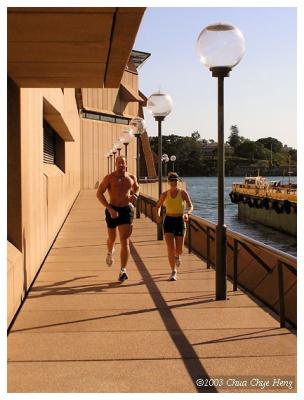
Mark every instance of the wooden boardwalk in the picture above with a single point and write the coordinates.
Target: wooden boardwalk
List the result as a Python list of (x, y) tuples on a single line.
[(80, 330)]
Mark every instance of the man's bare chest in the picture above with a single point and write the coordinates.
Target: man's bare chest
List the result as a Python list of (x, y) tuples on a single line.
[(120, 184)]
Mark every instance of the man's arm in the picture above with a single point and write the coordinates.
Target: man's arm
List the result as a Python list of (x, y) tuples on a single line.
[(135, 188), (101, 197)]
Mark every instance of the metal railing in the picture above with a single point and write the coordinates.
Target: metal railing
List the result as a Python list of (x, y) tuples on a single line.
[(241, 247)]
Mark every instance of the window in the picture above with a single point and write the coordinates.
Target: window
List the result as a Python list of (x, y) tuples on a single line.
[(92, 116), (122, 121), (105, 117), (53, 147)]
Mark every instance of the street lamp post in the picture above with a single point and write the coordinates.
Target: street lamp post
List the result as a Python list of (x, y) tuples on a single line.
[(173, 159), (108, 159), (220, 47), (138, 126), (159, 105), (111, 155), (118, 145), (126, 139), (114, 151), (165, 159)]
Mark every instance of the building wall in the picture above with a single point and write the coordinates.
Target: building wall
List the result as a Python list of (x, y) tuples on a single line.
[(108, 100), (97, 138), (40, 195), (47, 193)]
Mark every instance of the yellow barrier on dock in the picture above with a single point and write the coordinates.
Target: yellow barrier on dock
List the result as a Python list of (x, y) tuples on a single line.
[(271, 193)]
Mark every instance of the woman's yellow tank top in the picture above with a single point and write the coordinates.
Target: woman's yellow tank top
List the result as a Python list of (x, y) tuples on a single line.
[(174, 205)]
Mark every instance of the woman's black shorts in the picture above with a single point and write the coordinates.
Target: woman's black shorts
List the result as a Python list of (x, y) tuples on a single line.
[(125, 216), (175, 225)]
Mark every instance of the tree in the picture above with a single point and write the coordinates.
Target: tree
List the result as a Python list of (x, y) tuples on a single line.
[(195, 135), (246, 149), (191, 160), (271, 144), (293, 154), (234, 139)]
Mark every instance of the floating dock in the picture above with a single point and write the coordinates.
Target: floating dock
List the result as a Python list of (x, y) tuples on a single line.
[(268, 203)]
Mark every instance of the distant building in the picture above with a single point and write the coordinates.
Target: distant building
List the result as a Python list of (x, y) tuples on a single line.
[(209, 150)]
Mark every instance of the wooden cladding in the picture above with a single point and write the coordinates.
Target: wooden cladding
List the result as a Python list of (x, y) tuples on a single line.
[(14, 195), (96, 139), (70, 47), (108, 101)]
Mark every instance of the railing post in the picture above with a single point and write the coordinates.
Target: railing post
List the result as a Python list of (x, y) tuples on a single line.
[(235, 265), (281, 294), (189, 236), (208, 247), (138, 207)]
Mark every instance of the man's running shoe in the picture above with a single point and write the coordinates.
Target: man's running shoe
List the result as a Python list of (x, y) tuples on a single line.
[(173, 276), (109, 258), (123, 276), (178, 261)]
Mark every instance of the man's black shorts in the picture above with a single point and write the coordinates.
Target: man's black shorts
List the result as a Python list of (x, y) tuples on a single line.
[(125, 216), (174, 225)]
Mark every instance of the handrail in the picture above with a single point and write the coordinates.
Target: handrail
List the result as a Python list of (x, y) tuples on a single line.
[(153, 180), (248, 249), (244, 245), (283, 260), (287, 259)]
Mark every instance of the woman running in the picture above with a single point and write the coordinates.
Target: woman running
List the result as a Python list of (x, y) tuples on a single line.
[(174, 223)]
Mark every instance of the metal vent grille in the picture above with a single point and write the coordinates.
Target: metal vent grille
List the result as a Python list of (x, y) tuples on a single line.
[(48, 144)]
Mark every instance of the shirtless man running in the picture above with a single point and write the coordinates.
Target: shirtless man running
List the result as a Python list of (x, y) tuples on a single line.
[(119, 212)]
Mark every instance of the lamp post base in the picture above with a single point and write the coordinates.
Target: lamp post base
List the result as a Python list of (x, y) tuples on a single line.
[(220, 263), (138, 208), (160, 235)]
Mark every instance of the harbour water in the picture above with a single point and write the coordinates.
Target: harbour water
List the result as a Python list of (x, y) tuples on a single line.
[(203, 192)]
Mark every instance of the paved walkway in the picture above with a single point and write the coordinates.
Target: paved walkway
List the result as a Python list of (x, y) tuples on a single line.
[(81, 331)]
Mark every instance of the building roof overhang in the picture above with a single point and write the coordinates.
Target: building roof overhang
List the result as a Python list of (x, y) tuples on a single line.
[(70, 46), (56, 121), (128, 94)]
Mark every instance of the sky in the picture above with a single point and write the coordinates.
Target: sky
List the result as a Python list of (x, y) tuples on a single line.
[(261, 92)]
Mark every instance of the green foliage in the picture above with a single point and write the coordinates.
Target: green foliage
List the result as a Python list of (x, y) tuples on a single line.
[(192, 159), (235, 139), (293, 154), (272, 144), (195, 135)]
